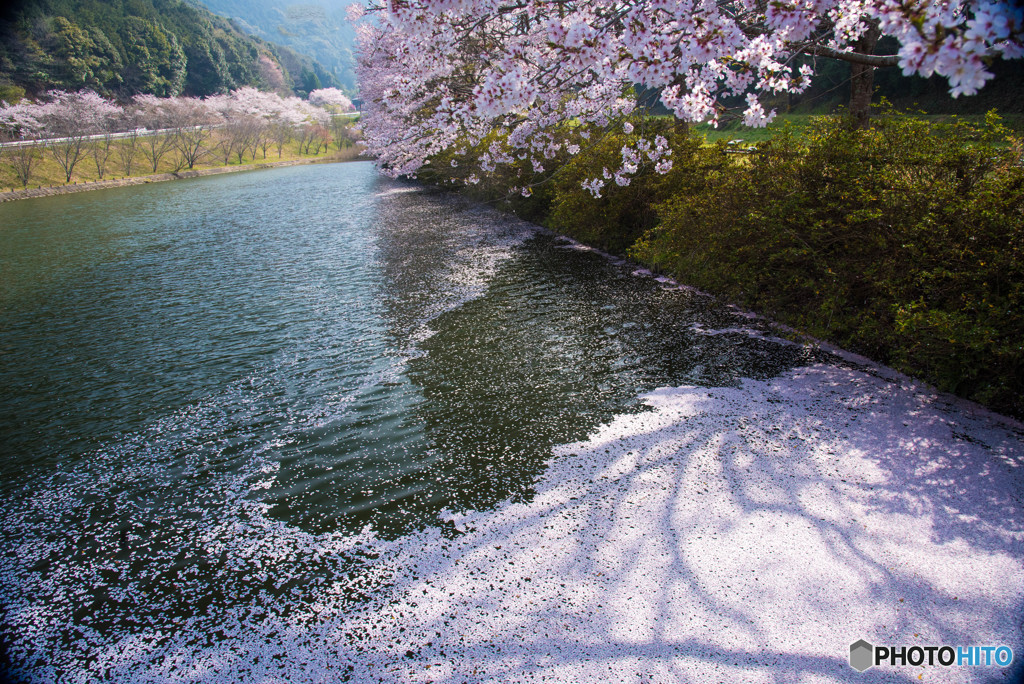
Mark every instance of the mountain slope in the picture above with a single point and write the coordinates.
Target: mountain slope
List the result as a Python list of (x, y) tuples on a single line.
[(122, 47), (317, 28)]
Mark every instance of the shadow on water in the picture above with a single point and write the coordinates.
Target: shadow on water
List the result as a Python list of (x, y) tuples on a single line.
[(561, 342), (552, 344)]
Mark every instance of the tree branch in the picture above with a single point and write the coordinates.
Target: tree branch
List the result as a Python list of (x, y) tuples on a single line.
[(853, 57)]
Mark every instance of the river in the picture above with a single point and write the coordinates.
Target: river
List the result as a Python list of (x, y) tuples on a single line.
[(310, 424)]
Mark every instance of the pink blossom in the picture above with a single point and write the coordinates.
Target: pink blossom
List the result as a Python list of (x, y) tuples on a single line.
[(594, 186), (545, 76)]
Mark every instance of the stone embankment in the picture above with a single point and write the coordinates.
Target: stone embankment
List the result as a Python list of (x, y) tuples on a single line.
[(49, 190)]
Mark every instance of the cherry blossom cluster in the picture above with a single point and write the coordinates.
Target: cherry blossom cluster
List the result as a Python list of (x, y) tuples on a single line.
[(332, 98), (545, 75), (60, 114), (640, 153)]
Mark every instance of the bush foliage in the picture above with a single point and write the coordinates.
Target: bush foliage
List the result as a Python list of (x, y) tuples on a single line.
[(902, 241), (617, 219)]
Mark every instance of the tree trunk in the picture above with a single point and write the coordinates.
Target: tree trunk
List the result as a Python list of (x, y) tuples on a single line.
[(862, 79)]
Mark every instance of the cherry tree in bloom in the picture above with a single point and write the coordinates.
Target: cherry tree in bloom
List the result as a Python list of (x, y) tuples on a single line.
[(179, 129), (331, 98), (19, 121), (436, 74), (339, 106), (61, 121), (255, 117), (239, 121), (68, 119), (190, 120)]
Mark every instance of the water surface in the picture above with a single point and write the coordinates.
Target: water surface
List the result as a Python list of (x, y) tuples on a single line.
[(204, 380)]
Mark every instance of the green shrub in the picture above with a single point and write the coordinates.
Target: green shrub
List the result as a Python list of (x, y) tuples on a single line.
[(621, 215), (11, 94), (902, 241)]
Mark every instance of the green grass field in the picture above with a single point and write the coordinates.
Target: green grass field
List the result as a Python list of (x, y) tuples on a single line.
[(735, 130)]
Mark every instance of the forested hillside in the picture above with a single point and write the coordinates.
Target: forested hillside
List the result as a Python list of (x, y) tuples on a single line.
[(122, 47), (317, 28)]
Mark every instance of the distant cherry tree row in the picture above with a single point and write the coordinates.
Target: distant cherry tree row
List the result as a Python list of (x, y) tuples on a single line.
[(149, 132)]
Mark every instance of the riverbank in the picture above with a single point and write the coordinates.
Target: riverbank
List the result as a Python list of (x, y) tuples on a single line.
[(900, 241), (51, 190)]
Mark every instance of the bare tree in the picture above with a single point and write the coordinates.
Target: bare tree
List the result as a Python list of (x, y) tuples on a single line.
[(101, 150), (321, 137), (191, 120), (245, 129), (303, 134), (225, 146), (266, 138), (154, 148), (153, 114), (281, 132), (259, 135), (342, 131), (127, 149), (24, 159)]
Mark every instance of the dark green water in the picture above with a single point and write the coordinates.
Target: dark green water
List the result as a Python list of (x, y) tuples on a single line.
[(303, 351)]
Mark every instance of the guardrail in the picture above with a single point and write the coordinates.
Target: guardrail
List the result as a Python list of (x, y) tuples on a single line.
[(139, 132)]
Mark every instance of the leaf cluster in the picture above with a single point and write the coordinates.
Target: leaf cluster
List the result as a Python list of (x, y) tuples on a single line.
[(618, 218)]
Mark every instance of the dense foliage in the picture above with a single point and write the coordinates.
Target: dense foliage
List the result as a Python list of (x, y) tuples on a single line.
[(125, 47), (904, 241)]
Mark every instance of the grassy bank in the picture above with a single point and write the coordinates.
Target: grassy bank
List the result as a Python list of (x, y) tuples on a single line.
[(47, 173), (904, 242), (800, 124)]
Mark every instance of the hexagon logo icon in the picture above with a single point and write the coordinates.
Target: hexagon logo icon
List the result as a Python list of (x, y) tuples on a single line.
[(862, 655)]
